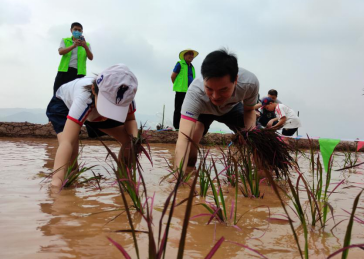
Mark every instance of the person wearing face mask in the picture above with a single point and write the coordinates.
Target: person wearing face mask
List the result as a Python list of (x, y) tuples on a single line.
[(74, 51), (225, 93), (182, 76)]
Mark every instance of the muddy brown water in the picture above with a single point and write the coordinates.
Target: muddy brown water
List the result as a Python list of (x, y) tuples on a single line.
[(36, 223)]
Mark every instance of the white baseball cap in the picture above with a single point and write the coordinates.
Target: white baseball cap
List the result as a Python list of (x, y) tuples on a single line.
[(117, 88)]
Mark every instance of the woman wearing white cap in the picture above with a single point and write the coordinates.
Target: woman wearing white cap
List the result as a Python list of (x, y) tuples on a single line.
[(104, 104)]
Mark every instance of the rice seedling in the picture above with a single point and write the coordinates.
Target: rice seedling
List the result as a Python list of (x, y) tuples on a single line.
[(248, 173), (157, 248), (276, 189), (160, 126), (347, 240), (74, 174), (218, 209), (204, 172), (351, 158), (227, 162), (268, 150), (128, 168)]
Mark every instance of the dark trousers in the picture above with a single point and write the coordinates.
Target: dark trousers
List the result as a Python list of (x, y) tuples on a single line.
[(234, 119), (178, 101), (65, 77), (265, 117)]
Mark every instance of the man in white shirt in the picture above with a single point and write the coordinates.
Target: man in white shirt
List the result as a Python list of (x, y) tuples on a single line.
[(286, 118)]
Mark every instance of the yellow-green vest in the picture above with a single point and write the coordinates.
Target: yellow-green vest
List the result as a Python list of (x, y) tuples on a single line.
[(81, 58), (181, 82)]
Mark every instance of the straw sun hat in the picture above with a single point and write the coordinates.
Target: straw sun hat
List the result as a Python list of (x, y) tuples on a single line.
[(183, 52)]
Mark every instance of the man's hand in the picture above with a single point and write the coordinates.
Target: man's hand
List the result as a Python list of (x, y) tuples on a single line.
[(280, 123), (83, 43)]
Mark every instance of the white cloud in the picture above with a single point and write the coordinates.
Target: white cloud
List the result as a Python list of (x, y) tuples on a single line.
[(310, 51)]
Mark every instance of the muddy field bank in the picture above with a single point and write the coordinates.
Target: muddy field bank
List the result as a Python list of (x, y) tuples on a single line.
[(26, 130)]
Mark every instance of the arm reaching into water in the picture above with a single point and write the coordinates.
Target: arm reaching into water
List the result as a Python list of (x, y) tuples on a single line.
[(183, 144), (67, 151), (249, 117)]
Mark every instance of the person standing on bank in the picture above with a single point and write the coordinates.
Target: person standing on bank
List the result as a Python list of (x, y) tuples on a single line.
[(182, 76), (74, 51)]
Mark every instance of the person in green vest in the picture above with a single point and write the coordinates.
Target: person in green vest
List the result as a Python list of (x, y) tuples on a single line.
[(74, 51), (182, 76)]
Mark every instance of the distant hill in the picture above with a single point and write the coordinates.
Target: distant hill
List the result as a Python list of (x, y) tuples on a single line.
[(39, 116), (22, 115)]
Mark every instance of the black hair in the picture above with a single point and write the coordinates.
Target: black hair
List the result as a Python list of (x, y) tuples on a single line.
[(273, 92), (76, 24), (88, 88), (220, 63)]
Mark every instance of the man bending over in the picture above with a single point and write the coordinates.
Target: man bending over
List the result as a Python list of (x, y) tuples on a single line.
[(225, 93)]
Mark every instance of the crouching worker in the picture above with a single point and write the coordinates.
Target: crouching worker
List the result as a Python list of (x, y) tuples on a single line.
[(286, 118), (225, 93), (105, 104)]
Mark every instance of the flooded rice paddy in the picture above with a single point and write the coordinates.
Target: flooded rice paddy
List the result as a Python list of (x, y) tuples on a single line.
[(36, 223)]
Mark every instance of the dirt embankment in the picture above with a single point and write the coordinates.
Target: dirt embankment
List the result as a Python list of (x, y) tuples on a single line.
[(26, 130)]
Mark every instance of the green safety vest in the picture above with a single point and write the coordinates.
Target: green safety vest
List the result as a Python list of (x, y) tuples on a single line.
[(81, 58), (181, 82)]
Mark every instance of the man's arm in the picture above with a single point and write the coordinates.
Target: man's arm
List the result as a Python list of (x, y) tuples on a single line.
[(249, 117), (257, 106), (63, 51), (270, 123), (280, 123), (173, 76), (183, 144), (89, 54)]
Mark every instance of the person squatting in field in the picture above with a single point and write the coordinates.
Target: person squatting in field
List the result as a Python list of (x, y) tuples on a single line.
[(286, 118), (105, 104)]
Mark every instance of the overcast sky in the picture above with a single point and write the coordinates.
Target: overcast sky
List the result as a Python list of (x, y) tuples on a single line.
[(310, 51)]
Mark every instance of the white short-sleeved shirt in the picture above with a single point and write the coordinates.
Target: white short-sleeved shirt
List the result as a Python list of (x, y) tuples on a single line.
[(292, 120), (197, 102), (79, 102), (73, 61)]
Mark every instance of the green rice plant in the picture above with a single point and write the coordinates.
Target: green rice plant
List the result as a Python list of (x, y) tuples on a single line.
[(319, 188), (326, 193), (218, 209), (161, 126), (351, 158), (248, 173), (204, 171), (312, 154), (157, 248), (276, 189), (347, 240), (295, 198), (227, 162), (128, 168), (75, 174)]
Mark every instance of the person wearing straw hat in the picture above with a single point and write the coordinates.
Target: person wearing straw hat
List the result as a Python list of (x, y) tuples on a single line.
[(105, 104), (182, 76)]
